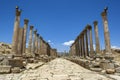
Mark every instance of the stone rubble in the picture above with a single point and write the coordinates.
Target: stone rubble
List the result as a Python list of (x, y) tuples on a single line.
[(57, 69)]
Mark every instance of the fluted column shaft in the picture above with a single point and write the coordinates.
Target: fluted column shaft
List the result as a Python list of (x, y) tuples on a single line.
[(34, 42), (106, 33), (41, 45), (83, 48), (91, 41), (16, 29), (37, 38), (80, 46), (20, 41), (86, 42), (96, 37), (30, 40), (25, 34)]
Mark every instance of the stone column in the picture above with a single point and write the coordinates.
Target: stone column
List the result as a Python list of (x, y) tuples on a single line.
[(34, 41), (48, 49), (106, 33), (37, 38), (73, 49), (25, 34), (96, 37), (83, 46), (80, 47), (20, 41), (91, 41), (86, 43), (16, 29), (76, 47), (30, 40), (41, 45)]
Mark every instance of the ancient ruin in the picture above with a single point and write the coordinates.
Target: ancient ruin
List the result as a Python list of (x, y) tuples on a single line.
[(20, 58)]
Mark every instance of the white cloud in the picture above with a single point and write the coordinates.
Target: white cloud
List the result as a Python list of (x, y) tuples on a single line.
[(68, 43), (115, 47), (49, 41)]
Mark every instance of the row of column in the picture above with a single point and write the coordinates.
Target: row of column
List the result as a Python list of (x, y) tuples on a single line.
[(36, 44), (83, 45)]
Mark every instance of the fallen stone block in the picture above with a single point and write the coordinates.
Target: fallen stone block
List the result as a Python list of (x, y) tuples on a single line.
[(5, 69), (118, 70), (34, 65), (16, 63), (96, 64), (110, 71), (96, 69), (15, 70), (107, 65)]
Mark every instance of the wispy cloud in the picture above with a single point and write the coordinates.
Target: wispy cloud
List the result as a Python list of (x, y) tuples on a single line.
[(50, 42), (68, 43), (115, 47)]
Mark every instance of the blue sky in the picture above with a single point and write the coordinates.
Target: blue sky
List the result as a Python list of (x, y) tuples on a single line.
[(60, 21)]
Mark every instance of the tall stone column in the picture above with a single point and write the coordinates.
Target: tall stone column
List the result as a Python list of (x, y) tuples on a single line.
[(106, 32), (37, 38), (48, 49), (34, 41), (20, 41), (16, 29), (80, 47), (30, 40), (76, 47), (25, 34), (83, 46), (86, 43), (41, 45), (96, 37), (91, 41)]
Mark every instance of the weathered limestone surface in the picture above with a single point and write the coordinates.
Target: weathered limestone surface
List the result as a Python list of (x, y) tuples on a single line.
[(16, 30), (106, 33), (20, 41), (96, 37), (25, 34), (30, 40), (58, 69)]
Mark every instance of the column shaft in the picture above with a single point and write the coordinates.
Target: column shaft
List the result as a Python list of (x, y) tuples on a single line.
[(25, 34), (34, 43), (96, 37), (106, 33), (91, 41), (20, 41), (86, 37), (30, 40), (16, 29)]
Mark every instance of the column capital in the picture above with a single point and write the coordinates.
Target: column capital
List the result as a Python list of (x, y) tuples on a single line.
[(18, 12), (37, 35), (104, 13), (95, 22), (84, 31), (89, 26), (41, 38), (26, 21), (35, 31), (31, 27)]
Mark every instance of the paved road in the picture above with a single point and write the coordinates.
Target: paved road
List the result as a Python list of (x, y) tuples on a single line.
[(58, 69)]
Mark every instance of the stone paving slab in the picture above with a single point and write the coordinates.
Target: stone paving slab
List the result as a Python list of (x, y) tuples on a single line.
[(57, 69)]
